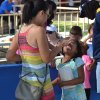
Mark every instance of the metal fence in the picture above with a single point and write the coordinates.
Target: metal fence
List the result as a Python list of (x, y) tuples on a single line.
[(63, 16), (70, 15), (6, 25)]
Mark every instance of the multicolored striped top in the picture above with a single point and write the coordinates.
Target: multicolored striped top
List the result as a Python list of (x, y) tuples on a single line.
[(34, 70)]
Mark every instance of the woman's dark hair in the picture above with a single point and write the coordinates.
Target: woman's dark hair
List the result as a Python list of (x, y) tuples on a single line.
[(52, 8), (31, 8), (76, 30), (91, 25)]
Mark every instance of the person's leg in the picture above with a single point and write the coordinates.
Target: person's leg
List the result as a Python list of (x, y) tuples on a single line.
[(12, 30), (5, 18), (98, 77), (87, 91), (5, 25), (71, 3), (93, 78)]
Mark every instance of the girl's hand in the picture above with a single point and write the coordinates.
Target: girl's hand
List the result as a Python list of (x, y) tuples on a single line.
[(60, 83)]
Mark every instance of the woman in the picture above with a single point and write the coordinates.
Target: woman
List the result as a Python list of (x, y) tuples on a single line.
[(35, 83), (52, 35)]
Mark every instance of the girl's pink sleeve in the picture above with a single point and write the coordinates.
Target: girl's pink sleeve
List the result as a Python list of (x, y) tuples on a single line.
[(87, 60)]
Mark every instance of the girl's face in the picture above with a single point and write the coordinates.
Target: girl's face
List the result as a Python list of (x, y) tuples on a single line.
[(70, 48)]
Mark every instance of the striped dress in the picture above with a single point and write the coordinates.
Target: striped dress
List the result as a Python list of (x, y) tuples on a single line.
[(34, 70)]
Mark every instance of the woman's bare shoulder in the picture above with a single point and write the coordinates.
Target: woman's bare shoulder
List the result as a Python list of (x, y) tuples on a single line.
[(38, 30)]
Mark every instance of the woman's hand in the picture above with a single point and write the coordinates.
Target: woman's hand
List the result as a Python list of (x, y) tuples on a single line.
[(55, 81)]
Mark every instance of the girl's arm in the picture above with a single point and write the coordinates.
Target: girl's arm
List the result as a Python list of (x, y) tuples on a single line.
[(89, 67), (11, 53), (75, 81), (89, 36), (51, 46)]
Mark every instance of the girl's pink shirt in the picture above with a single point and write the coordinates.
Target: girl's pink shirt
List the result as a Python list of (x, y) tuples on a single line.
[(87, 61)]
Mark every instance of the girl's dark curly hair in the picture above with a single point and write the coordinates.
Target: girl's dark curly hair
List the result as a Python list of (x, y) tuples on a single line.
[(79, 49)]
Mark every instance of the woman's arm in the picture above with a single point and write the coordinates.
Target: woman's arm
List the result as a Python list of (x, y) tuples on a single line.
[(55, 81), (51, 46), (42, 42), (11, 53), (75, 81)]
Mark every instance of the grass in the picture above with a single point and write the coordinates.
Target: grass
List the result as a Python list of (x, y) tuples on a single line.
[(69, 24)]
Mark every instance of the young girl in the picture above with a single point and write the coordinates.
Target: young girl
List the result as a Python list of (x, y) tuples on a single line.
[(71, 72), (88, 64)]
